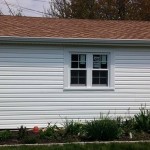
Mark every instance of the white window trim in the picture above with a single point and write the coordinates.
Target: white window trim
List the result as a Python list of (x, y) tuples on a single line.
[(89, 87)]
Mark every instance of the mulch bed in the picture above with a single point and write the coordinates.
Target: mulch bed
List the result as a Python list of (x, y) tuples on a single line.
[(35, 138)]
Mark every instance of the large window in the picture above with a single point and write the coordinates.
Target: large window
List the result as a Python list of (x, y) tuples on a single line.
[(89, 70)]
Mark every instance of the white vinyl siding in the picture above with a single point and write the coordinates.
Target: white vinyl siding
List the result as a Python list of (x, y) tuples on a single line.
[(32, 86), (133, 71), (23, 70)]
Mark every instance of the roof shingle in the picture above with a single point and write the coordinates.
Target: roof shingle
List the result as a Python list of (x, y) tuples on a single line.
[(73, 28)]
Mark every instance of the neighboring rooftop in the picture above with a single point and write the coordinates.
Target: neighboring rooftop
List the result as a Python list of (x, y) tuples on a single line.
[(73, 28)]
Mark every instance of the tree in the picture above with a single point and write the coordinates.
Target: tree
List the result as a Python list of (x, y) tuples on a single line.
[(18, 12), (58, 9), (144, 12), (121, 6), (1, 13), (100, 9)]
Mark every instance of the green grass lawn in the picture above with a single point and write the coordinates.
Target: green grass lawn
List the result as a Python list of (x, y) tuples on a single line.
[(113, 146)]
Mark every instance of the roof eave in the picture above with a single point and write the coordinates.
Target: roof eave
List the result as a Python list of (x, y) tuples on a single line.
[(75, 41)]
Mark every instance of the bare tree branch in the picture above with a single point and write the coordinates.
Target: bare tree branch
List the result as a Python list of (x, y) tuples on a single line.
[(100, 9)]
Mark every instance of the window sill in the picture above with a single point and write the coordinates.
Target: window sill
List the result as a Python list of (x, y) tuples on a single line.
[(89, 89)]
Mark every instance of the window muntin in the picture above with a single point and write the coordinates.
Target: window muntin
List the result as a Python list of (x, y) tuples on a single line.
[(89, 69), (78, 73)]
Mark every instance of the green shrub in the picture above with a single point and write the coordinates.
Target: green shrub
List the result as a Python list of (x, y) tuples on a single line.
[(22, 132), (52, 132), (72, 128), (103, 129), (142, 120), (126, 125), (5, 135), (30, 139)]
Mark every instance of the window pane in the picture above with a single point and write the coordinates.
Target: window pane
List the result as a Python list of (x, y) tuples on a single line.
[(82, 57), (82, 64), (78, 61), (74, 73), (99, 61), (96, 57), (74, 76), (104, 77), (82, 77), (100, 77), (103, 74), (78, 77), (96, 74), (95, 81), (74, 57), (82, 81), (96, 61), (104, 65), (74, 80), (103, 81), (82, 73), (104, 61), (74, 65), (104, 58)]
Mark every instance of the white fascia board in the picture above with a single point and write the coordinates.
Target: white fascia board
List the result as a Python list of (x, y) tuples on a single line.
[(75, 41)]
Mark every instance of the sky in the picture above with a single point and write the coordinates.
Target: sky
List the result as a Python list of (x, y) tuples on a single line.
[(28, 7)]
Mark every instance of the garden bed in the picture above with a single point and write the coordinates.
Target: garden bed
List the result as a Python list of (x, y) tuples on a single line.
[(102, 129), (33, 138)]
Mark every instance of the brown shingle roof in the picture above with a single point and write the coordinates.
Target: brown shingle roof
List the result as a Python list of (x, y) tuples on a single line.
[(73, 28)]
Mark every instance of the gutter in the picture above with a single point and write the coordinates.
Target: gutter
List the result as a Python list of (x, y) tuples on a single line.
[(73, 41)]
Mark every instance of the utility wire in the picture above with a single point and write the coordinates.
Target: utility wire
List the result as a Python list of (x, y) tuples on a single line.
[(8, 8), (18, 3), (25, 8)]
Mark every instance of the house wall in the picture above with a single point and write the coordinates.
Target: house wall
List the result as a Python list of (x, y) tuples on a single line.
[(32, 86)]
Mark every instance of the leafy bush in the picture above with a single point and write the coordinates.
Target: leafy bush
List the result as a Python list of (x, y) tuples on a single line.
[(22, 132), (105, 129), (126, 125), (72, 128), (5, 135), (142, 120), (51, 132), (30, 139)]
